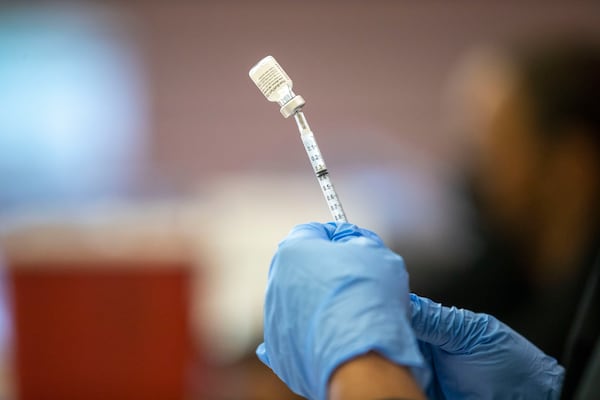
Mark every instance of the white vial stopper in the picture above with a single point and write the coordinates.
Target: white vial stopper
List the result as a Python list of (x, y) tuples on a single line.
[(276, 85)]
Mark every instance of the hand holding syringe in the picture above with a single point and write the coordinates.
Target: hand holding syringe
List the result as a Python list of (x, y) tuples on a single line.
[(276, 85)]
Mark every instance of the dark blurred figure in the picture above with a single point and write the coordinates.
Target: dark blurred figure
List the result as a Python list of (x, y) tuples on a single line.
[(535, 186)]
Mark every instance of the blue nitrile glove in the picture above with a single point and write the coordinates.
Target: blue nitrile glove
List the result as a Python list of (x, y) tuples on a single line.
[(335, 292), (475, 356)]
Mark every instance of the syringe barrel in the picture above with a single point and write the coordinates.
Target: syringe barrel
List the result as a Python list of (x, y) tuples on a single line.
[(320, 169)]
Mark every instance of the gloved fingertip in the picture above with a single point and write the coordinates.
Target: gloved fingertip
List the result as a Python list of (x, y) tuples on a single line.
[(421, 302), (330, 231), (331, 227), (311, 230), (338, 231), (261, 353), (346, 231), (424, 318), (372, 235), (415, 305)]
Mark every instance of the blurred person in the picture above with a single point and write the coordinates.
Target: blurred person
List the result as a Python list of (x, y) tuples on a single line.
[(340, 321), (535, 182)]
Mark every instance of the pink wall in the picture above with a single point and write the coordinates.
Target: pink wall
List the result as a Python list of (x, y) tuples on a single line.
[(372, 72)]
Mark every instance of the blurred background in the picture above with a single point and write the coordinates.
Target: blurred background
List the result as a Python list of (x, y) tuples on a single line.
[(145, 181)]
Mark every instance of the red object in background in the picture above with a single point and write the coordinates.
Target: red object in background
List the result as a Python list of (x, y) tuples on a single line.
[(102, 333)]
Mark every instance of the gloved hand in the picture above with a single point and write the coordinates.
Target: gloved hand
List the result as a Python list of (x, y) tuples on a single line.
[(475, 356), (335, 292)]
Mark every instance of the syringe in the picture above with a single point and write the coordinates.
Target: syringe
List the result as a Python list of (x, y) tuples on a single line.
[(276, 85)]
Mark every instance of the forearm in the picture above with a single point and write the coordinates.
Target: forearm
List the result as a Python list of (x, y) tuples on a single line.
[(372, 376)]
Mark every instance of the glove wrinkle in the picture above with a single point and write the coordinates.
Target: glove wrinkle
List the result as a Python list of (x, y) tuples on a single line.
[(475, 356)]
